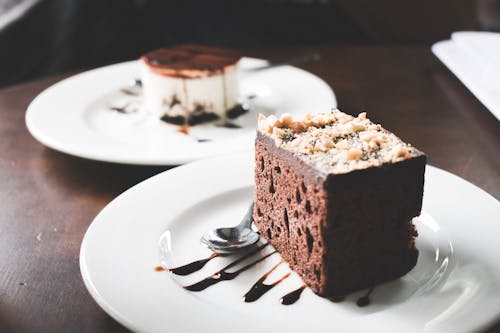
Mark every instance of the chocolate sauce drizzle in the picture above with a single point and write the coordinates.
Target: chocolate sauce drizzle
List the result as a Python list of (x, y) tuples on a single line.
[(126, 109), (237, 111), (198, 116), (260, 288), (224, 89), (186, 96), (228, 124), (257, 290), (365, 300), (193, 266), (293, 296), (129, 92), (224, 275)]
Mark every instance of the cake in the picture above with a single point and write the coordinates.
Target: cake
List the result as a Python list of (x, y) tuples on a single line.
[(190, 84), (336, 195)]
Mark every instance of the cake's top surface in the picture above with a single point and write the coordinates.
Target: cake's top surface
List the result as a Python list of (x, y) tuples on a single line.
[(191, 61), (336, 142)]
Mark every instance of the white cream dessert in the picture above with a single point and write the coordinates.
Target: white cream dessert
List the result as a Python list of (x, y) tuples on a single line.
[(191, 84)]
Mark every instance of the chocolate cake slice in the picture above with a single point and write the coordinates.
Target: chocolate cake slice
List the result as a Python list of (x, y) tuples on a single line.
[(335, 195)]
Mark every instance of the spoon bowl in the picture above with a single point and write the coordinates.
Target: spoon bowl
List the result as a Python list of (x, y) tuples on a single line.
[(232, 239)]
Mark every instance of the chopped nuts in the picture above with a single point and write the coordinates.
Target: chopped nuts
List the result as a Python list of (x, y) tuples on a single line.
[(336, 141), (373, 145), (400, 151), (278, 132), (356, 127), (367, 136), (343, 144), (327, 142), (354, 154), (286, 120)]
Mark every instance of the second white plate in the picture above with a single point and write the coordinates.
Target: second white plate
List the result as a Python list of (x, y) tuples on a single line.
[(75, 115)]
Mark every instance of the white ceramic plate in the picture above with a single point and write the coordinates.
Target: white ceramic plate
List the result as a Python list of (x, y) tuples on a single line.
[(75, 116), (455, 286)]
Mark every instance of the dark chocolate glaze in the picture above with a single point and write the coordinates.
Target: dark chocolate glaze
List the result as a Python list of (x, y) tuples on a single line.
[(192, 266), (193, 119), (293, 296), (186, 111), (260, 288), (256, 292), (236, 111), (224, 89), (174, 120), (127, 108), (129, 92), (365, 300), (200, 116), (223, 275), (202, 59), (228, 124), (211, 280), (174, 100), (119, 109)]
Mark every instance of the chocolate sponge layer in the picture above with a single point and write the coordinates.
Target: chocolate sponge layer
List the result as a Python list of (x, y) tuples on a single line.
[(339, 232)]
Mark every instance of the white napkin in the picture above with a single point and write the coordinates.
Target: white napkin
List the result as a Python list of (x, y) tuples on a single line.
[(474, 57)]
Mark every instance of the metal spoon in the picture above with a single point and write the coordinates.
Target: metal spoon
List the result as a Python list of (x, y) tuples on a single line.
[(232, 239)]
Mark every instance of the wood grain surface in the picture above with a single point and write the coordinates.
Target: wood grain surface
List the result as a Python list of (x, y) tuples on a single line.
[(48, 199)]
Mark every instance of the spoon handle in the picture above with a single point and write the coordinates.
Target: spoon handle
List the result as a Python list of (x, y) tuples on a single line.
[(247, 220), (289, 62)]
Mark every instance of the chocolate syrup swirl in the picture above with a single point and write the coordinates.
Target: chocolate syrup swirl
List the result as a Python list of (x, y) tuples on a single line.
[(237, 111), (293, 296), (129, 92), (224, 275), (260, 288), (365, 300), (203, 140), (193, 266), (185, 108), (127, 108), (228, 124)]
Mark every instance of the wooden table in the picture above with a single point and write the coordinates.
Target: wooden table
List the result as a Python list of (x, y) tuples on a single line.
[(48, 199)]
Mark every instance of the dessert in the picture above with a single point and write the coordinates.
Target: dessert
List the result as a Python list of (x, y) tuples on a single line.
[(190, 84), (335, 195)]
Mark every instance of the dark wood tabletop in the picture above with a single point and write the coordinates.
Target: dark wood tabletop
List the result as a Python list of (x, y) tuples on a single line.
[(48, 199)]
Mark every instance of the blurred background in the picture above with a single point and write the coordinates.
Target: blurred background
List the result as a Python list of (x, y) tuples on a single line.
[(43, 37)]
